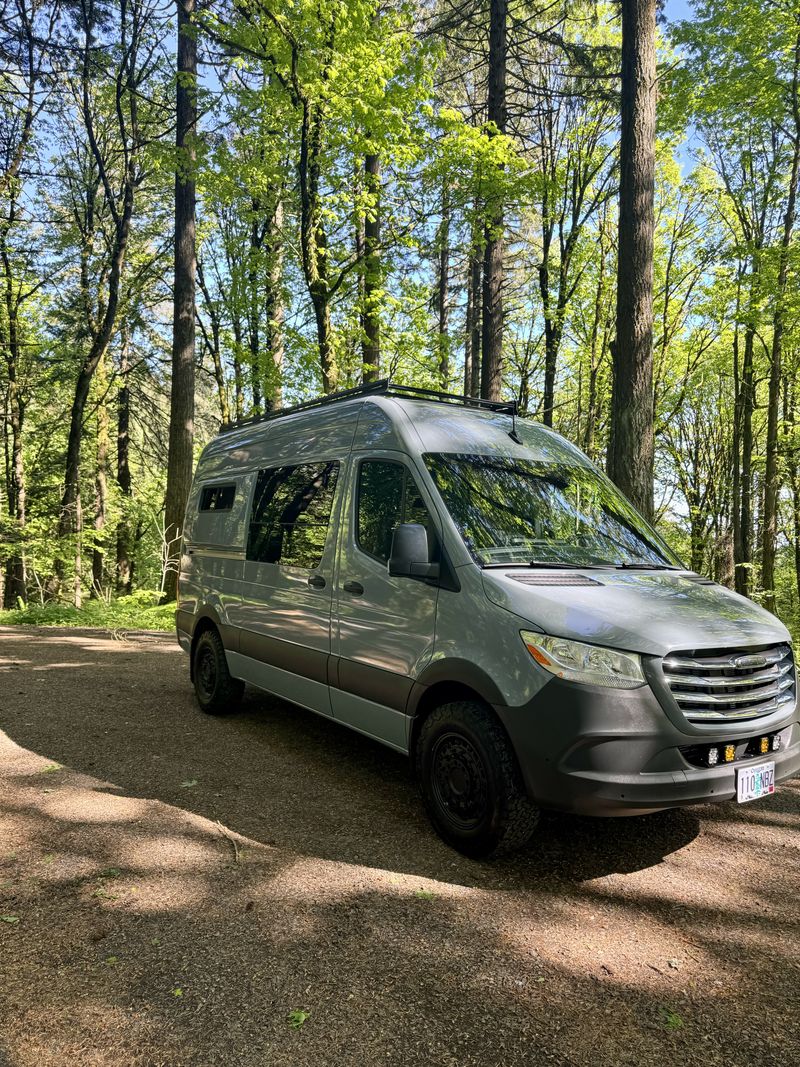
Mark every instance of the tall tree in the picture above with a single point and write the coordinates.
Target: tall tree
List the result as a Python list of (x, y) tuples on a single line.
[(631, 444), (771, 474), (371, 320), (492, 332), (181, 425), (116, 135)]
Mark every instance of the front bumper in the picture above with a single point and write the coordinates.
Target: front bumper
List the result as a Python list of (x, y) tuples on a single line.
[(597, 751)]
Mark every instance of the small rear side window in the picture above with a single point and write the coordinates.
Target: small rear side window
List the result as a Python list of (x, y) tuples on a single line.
[(217, 497)]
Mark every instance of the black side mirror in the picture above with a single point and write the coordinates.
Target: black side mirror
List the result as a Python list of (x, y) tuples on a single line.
[(409, 555)]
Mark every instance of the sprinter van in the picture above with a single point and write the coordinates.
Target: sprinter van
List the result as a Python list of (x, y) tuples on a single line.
[(466, 587)]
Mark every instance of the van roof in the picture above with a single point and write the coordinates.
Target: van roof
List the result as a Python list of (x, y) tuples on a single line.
[(384, 387), (380, 422)]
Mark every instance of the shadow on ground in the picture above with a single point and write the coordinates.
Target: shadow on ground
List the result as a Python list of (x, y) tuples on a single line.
[(182, 884), (276, 773)]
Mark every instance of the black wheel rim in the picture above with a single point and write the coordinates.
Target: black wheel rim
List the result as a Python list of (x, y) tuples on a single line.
[(460, 783), (206, 673)]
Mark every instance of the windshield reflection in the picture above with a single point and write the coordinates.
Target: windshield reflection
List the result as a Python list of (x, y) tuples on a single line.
[(511, 510)]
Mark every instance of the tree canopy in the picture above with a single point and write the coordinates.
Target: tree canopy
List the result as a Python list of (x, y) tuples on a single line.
[(423, 191)]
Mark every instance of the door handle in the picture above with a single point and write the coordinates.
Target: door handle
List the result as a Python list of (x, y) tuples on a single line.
[(316, 581), (356, 588)]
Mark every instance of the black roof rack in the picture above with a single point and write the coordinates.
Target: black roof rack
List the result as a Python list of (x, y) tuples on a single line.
[(383, 387)]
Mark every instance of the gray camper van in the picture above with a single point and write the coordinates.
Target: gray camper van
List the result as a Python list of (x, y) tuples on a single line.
[(466, 587)]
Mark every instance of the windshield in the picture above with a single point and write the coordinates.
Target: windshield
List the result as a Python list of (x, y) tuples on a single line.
[(511, 510)]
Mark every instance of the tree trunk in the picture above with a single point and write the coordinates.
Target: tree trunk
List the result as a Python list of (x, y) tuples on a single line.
[(476, 291), (736, 443), (100, 484), (238, 376), (70, 522), (595, 348), (254, 307), (181, 425), (314, 240), (771, 478), (371, 349), (124, 481), (442, 291), (492, 333), (630, 455), (794, 478), (747, 387), (548, 392), (16, 579), (274, 304), (468, 334)]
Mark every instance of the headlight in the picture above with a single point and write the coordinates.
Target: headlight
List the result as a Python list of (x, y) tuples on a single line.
[(591, 664)]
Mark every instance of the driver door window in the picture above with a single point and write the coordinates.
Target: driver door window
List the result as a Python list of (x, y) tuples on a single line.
[(387, 497)]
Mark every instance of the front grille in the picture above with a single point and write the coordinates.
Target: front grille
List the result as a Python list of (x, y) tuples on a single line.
[(730, 685)]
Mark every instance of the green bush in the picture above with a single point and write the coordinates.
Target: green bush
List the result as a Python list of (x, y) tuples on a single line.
[(139, 611)]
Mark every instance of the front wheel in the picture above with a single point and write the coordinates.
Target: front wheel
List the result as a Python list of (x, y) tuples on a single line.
[(470, 782), (217, 692)]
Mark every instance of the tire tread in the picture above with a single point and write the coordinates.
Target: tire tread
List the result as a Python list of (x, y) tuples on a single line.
[(520, 815), (229, 690)]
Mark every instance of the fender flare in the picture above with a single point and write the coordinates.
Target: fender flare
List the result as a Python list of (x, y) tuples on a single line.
[(456, 671)]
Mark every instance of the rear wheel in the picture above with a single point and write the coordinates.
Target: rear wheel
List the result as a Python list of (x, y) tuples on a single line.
[(470, 781), (217, 692)]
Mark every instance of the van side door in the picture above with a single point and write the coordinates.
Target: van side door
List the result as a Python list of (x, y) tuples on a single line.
[(383, 626), (285, 615)]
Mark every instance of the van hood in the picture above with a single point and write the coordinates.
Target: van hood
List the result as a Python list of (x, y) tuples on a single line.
[(650, 612)]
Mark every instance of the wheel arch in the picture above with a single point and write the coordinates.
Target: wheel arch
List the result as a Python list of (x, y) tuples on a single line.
[(445, 682)]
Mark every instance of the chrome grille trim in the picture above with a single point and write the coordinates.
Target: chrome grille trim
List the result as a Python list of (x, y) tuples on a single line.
[(724, 663), (771, 674), (737, 685)]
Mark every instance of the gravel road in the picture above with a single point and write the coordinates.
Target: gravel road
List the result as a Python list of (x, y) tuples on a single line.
[(266, 890)]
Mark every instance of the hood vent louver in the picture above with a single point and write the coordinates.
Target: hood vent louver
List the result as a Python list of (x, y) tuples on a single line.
[(554, 579), (698, 579)]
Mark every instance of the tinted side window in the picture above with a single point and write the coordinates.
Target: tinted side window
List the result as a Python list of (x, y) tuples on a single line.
[(291, 512), (387, 496), (217, 497)]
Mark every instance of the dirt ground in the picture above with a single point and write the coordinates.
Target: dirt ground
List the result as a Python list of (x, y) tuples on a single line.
[(266, 890)]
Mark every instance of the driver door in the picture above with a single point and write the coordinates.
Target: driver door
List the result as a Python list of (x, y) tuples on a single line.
[(384, 627)]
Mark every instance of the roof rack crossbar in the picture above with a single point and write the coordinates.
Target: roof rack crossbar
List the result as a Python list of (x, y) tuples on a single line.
[(507, 406), (383, 387)]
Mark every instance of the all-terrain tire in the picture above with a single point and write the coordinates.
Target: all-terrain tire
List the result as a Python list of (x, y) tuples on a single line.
[(471, 783), (217, 692)]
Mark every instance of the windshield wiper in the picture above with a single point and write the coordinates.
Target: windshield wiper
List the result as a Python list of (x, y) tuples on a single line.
[(543, 563), (644, 567)]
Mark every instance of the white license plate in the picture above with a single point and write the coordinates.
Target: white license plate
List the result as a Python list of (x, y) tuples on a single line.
[(752, 783)]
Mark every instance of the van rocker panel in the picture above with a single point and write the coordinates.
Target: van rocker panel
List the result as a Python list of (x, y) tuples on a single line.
[(307, 693)]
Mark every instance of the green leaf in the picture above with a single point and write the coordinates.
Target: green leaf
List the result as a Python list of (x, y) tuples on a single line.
[(296, 1018), (670, 1019), (9, 919)]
